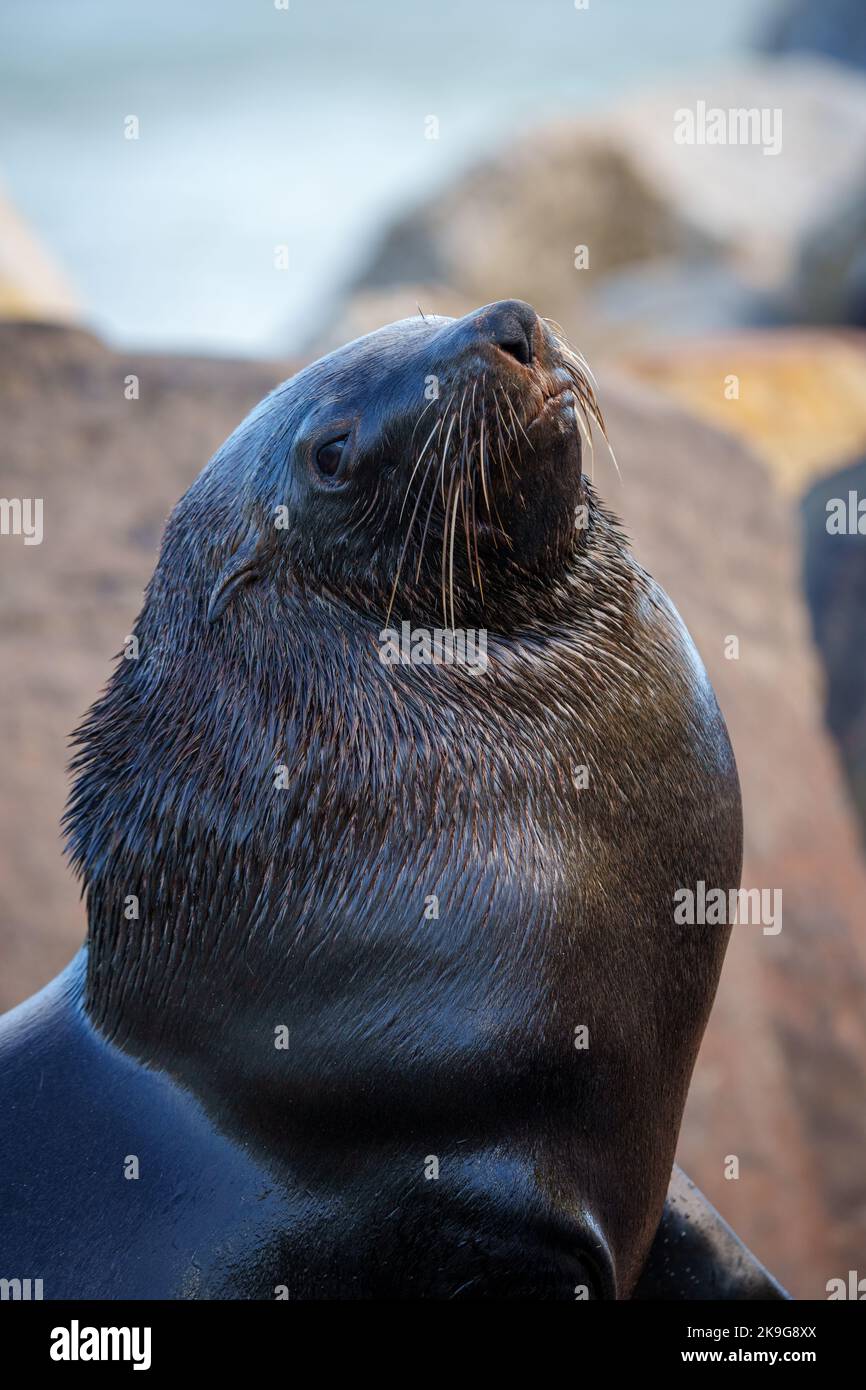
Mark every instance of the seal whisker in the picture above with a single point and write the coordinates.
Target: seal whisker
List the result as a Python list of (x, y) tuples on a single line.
[(585, 433), (493, 514), (444, 566), (465, 473), (519, 425), (482, 467), (445, 413), (505, 460), (445, 446), (580, 374), (474, 510), (467, 490), (506, 427), (585, 387), (414, 471), (408, 535), (451, 556), (463, 482), (427, 523), (420, 418), (467, 486)]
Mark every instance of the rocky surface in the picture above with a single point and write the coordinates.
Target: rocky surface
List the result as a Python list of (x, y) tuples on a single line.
[(512, 224), (795, 396), (759, 205), (513, 227), (800, 404), (828, 284), (834, 578), (781, 1078), (782, 1073), (108, 470)]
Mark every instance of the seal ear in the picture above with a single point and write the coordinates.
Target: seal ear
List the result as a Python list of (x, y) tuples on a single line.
[(241, 568)]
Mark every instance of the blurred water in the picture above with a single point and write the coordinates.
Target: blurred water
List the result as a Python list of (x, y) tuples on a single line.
[(305, 128)]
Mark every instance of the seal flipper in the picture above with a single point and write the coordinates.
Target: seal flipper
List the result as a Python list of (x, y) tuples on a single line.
[(696, 1255)]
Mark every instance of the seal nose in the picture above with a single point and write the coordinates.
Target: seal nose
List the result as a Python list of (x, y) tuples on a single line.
[(511, 326)]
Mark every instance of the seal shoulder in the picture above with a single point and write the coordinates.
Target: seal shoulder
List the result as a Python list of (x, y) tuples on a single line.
[(673, 669)]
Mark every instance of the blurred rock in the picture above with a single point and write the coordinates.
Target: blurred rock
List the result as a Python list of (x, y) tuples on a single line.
[(367, 310), (761, 206), (802, 406), (510, 228), (783, 1068), (679, 237), (511, 225), (834, 574), (624, 312), (108, 470), (834, 28), (32, 285), (829, 280), (801, 401), (682, 299), (782, 1073)]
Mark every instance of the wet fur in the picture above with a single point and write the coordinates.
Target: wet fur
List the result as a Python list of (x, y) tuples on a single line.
[(305, 906)]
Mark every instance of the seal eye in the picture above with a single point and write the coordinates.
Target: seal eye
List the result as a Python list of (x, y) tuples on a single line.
[(329, 456)]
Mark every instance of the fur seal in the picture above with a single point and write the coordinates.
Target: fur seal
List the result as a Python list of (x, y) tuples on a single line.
[(382, 994)]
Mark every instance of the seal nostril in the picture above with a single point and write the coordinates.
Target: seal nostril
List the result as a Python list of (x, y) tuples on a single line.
[(520, 348), (511, 326)]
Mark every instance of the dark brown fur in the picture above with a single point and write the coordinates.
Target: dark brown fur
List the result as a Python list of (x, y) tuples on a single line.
[(305, 905)]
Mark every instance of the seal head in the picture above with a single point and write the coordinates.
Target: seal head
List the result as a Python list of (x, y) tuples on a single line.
[(391, 468)]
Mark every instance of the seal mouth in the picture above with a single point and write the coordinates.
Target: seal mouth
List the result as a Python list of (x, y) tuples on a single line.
[(553, 404)]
